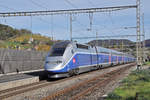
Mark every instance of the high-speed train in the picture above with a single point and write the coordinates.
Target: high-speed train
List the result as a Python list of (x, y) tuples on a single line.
[(70, 58)]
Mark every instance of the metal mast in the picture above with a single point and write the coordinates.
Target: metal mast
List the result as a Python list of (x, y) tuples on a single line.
[(138, 42), (70, 27), (96, 37), (144, 56), (52, 27)]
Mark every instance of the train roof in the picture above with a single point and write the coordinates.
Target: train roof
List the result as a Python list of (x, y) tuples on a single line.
[(106, 50), (62, 44), (102, 49)]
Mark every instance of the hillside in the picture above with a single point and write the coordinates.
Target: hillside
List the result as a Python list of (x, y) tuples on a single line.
[(23, 39), (7, 32), (147, 43), (122, 45), (117, 42), (26, 40), (112, 42)]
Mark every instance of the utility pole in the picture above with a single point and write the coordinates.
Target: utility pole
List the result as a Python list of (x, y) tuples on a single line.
[(97, 37), (91, 18), (31, 39), (109, 46), (138, 42), (70, 27), (144, 56), (52, 27), (122, 46)]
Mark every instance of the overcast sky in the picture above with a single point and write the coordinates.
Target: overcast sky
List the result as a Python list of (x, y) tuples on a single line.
[(107, 24)]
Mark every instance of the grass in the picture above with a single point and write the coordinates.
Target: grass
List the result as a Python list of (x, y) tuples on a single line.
[(138, 82), (28, 36), (147, 63)]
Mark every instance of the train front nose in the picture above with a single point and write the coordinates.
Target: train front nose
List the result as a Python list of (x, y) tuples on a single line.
[(53, 63)]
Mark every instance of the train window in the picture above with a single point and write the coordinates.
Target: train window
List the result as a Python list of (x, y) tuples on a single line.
[(59, 48), (104, 52), (82, 46), (57, 52)]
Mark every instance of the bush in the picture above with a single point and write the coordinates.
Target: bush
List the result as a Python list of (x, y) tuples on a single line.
[(113, 96), (136, 82)]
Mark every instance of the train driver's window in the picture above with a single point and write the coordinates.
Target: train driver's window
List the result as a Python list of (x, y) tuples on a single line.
[(72, 51)]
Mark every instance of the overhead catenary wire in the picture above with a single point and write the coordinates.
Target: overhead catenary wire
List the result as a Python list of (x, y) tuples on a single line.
[(105, 36), (45, 4), (111, 20), (73, 5), (6, 7), (75, 11), (70, 11), (51, 17), (41, 19), (51, 23), (91, 3), (68, 2), (37, 4), (90, 15), (9, 8), (48, 23)]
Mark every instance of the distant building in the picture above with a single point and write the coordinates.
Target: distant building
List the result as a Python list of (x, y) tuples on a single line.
[(30, 40)]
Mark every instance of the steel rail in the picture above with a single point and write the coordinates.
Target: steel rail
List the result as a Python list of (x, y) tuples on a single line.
[(99, 84), (25, 88), (30, 87), (67, 91)]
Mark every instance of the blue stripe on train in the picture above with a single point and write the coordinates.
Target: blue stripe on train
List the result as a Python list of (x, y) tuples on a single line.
[(89, 59)]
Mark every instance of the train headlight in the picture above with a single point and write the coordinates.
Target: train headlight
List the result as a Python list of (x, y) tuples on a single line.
[(47, 62), (58, 62)]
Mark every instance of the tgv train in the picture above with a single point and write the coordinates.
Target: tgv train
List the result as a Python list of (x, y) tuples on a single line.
[(70, 58)]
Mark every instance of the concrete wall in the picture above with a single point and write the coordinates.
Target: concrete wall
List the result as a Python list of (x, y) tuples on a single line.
[(16, 83), (20, 60)]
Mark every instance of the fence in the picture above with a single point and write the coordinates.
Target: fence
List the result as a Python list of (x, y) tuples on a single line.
[(20, 60)]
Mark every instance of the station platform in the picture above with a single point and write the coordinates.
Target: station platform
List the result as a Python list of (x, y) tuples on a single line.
[(15, 80)]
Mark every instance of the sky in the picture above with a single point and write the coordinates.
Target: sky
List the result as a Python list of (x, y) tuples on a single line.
[(104, 23)]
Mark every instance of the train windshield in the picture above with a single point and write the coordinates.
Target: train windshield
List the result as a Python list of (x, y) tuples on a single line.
[(57, 52), (59, 48)]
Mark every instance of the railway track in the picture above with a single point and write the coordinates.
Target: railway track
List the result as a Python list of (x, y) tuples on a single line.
[(26, 88), (77, 91)]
